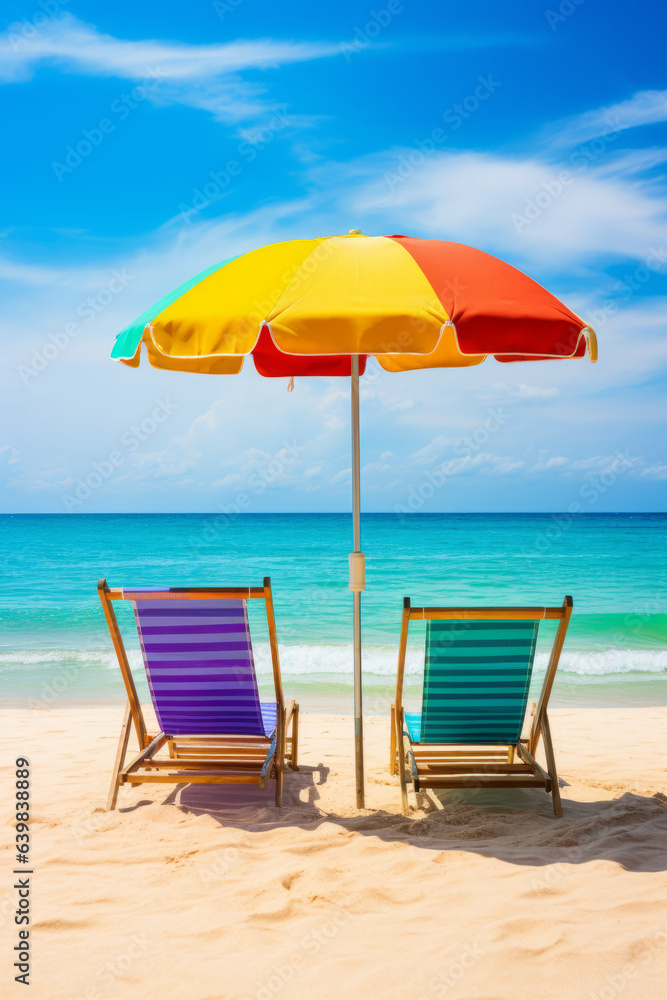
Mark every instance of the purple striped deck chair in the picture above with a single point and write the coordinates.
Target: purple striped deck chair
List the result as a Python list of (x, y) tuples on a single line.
[(198, 657)]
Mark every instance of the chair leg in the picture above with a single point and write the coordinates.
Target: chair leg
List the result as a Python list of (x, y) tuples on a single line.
[(401, 767), (551, 766), (294, 752), (120, 759), (279, 784), (279, 758), (392, 740)]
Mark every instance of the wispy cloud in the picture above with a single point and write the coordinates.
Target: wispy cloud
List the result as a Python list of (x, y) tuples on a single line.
[(13, 456), (69, 43), (646, 107), (501, 391), (29, 274), (202, 76), (516, 205), (657, 472)]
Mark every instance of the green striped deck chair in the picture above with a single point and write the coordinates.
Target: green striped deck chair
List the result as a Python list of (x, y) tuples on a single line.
[(477, 670)]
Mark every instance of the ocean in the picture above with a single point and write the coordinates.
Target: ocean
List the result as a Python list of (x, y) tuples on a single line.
[(55, 648)]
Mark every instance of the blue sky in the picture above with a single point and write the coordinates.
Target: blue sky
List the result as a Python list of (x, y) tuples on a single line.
[(146, 142)]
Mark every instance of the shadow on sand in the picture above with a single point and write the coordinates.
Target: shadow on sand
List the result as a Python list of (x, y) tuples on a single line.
[(512, 825)]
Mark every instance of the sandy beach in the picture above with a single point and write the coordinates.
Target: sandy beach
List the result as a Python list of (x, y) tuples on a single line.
[(488, 898), (334, 372)]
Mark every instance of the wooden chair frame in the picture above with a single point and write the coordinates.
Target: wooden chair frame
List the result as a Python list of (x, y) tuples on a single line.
[(480, 766), (223, 759)]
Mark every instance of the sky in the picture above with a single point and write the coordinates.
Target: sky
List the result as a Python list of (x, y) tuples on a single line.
[(146, 142)]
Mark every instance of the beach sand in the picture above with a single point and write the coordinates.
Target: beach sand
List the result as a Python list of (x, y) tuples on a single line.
[(211, 892)]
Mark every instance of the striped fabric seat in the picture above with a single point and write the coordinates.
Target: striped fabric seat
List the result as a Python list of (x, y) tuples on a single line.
[(476, 679), (200, 668)]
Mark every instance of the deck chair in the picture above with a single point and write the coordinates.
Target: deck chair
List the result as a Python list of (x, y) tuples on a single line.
[(198, 657), (477, 671)]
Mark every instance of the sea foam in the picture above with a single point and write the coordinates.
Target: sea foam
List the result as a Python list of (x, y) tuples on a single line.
[(305, 660)]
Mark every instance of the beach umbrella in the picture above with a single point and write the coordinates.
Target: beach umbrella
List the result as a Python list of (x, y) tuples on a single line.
[(322, 306)]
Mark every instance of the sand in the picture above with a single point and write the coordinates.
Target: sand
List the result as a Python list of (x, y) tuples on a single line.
[(210, 892)]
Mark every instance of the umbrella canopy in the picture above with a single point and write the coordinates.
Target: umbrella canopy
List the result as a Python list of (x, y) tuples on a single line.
[(305, 306), (323, 306)]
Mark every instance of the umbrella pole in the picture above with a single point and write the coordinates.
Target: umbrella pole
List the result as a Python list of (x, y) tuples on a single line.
[(357, 584)]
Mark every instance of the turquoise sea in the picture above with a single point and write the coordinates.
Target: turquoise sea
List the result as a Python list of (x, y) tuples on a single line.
[(55, 648)]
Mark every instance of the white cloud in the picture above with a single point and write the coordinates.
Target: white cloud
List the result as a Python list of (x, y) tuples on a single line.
[(555, 462), (29, 274), (13, 455), (513, 206), (202, 76), (655, 472), (535, 392), (608, 463), (627, 163), (69, 43), (484, 464), (594, 462), (646, 107), (501, 391)]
